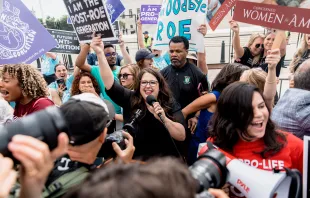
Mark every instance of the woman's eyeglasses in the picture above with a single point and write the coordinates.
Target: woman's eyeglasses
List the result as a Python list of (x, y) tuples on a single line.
[(124, 76), (259, 45), (152, 83)]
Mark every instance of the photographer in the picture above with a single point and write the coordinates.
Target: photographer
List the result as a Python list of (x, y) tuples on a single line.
[(36, 163), (159, 178), (154, 135), (86, 116)]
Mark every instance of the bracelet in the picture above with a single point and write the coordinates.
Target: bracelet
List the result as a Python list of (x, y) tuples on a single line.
[(271, 82)]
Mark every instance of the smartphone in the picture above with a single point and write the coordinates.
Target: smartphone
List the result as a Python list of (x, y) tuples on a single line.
[(200, 90), (61, 82)]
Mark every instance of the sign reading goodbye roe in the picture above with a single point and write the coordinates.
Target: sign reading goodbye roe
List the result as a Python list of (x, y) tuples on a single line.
[(88, 17)]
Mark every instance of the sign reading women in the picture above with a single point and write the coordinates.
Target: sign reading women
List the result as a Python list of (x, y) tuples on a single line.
[(180, 18), (292, 15)]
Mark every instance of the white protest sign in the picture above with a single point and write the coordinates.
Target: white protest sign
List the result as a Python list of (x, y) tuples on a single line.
[(180, 18), (306, 165)]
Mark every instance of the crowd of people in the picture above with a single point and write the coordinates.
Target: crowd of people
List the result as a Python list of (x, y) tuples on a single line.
[(238, 112)]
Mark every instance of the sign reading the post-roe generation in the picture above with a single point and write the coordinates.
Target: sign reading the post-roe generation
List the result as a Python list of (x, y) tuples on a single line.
[(88, 17), (180, 18), (294, 19)]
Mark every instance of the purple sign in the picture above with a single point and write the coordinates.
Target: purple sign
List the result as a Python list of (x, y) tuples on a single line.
[(22, 38), (115, 9), (149, 14)]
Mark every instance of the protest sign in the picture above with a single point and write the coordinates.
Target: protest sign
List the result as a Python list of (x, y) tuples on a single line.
[(22, 37), (68, 42), (115, 9), (116, 30), (180, 18), (69, 20), (88, 17), (149, 14), (306, 166), (217, 10), (1, 5), (274, 16)]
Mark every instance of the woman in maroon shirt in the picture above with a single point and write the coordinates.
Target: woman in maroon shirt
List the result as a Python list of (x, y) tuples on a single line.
[(25, 86)]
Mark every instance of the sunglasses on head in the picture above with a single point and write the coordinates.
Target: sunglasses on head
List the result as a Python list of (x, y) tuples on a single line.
[(259, 45), (124, 76), (110, 54)]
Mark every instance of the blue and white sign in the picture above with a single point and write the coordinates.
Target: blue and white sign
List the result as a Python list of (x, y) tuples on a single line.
[(22, 37), (180, 18), (115, 9), (69, 20)]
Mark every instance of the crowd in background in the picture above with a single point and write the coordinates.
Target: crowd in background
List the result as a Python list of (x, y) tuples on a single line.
[(239, 112)]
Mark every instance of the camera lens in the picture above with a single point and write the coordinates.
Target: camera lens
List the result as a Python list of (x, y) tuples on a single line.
[(210, 170)]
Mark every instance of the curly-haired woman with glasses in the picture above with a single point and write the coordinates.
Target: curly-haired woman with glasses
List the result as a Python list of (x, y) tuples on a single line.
[(154, 135)]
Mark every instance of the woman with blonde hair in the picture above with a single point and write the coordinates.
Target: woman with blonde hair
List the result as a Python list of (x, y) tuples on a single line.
[(128, 76), (302, 54), (249, 55)]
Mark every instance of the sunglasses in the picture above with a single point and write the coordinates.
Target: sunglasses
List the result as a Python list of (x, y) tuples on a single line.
[(110, 54), (259, 45), (125, 76), (156, 55)]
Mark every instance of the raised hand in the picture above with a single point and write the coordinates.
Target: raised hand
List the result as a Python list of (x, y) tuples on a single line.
[(234, 26)]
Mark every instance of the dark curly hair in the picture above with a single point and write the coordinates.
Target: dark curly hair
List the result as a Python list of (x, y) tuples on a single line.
[(234, 114), (30, 79), (76, 82), (164, 98)]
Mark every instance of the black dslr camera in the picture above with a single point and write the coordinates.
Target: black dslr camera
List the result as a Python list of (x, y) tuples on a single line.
[(210, 172), (106, 150)]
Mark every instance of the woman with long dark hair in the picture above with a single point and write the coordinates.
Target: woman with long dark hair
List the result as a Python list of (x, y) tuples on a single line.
[(154, 135), (207, 104), (241, 126)]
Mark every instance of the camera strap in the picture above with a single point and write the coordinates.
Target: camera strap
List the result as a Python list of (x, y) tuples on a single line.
[(62, 184)]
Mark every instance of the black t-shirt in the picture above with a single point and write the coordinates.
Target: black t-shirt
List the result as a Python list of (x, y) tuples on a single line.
[(264, 65), (151, 138), (247, 58), (184, 82)]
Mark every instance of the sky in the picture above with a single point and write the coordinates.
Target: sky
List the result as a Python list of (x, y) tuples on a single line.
[(53, 8)]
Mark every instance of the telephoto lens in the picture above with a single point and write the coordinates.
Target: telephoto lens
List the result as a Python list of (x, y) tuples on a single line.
[(44, 125), (210, 170)]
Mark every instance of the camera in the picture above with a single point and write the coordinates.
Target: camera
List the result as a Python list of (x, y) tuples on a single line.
[(107, 151), (46, 124), (210, 172)]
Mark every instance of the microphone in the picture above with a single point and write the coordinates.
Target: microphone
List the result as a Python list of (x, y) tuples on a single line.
[(150, 99)]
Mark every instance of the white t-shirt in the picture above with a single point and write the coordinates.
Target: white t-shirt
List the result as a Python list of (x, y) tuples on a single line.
[(6, 112)]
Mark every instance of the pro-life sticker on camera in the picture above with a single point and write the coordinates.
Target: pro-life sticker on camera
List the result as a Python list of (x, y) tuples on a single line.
[(88, 17)]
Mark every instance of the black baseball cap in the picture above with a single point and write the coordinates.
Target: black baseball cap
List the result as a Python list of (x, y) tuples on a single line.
[(87, 116), (143, 54)]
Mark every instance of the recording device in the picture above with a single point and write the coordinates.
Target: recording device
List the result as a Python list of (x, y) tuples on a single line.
[(150, 99), (61, 83), (107, 150), (256, 183), (210, 172), (46, 124)]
